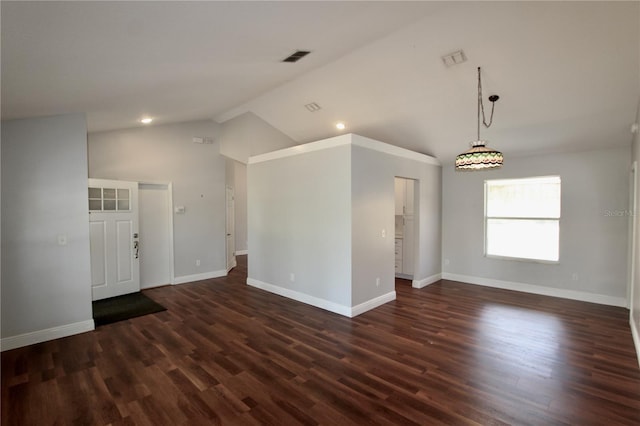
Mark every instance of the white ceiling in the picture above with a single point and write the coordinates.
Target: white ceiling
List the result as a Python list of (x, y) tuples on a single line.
[(567, 72)]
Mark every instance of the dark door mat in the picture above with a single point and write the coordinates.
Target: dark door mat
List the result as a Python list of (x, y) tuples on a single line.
[(120, 308)]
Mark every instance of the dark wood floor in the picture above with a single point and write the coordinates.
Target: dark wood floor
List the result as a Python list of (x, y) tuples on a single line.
[(227, 353)]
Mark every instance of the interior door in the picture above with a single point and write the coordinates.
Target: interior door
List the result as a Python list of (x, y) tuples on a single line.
[(230, 230), (113, 237), (154, 211)]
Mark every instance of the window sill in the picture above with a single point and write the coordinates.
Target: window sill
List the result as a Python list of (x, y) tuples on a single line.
[(522, 259)]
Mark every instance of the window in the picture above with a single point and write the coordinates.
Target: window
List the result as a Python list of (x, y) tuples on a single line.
[(109, 199), (522, 218)]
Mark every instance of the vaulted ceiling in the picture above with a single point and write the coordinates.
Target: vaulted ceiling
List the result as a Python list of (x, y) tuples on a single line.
[(567, 72)]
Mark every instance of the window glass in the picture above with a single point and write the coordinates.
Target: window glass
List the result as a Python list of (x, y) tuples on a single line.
[(522, 218)]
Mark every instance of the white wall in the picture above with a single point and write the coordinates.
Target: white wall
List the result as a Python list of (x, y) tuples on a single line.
[(299, 221), (635, 291), (154, 202), (240, 138), (236, 178), (46, 286), (247, 135), (240, 191), (318, 211), (373, 196), (166, 153), (593, 227)]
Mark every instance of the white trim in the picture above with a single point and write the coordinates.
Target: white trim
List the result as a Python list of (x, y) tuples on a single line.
[(536, 289), (229, 222), (633, 205), (386, 148), (241, 252), (636, 338), (342, 140), (373, 303), (323, 303), (426, 281), (26, 339), (233, 264), (199, 277), (301, 297), (172, 271), (302, 149)]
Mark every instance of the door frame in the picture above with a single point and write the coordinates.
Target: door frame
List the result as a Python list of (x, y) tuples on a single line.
[(633, 204), (415, 235), (229, 219)]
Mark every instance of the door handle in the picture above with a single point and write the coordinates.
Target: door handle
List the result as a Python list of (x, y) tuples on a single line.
[(136, 247)]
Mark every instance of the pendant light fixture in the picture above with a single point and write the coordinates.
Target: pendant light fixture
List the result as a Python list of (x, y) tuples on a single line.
[(481, 157)]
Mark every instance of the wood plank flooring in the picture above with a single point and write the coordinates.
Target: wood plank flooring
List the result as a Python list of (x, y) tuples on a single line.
[(227, 353)]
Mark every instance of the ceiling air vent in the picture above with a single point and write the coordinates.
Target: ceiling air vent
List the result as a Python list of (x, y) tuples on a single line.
[(454, 58), (296, 56), (313, 107)]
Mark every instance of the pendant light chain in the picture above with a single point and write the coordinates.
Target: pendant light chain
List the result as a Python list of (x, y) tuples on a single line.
[(481, 107)]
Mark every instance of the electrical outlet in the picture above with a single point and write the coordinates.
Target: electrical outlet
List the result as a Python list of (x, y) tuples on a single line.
[(378, 282), (292, 277), (574, 276), (384, 233), (197, 262), (446, 262)]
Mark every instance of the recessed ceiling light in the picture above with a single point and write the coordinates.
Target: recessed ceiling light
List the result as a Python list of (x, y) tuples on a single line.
[(340, 126), (146, 120)]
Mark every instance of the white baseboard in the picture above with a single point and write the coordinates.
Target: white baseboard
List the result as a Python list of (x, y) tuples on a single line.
[(198, 277), (636, 337), (426, 281), (323, 303), (537, 289), (241, 252), (373, 303), (26, 339), (301, 297)]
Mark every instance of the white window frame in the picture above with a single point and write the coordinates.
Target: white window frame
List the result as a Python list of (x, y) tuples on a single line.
[(486, 219), (116, 200)]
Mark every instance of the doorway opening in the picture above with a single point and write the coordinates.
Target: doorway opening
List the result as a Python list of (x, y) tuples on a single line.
[(406, 191)]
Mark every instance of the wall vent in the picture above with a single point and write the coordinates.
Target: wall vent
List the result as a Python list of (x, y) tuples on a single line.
[(296, 56), (454, 58), (202, 140)]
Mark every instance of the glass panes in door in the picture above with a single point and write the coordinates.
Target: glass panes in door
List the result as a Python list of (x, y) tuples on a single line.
[(109, 199)]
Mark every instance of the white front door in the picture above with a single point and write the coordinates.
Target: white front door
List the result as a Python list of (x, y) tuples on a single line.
[(113, 236), (230, 228)]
